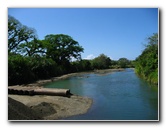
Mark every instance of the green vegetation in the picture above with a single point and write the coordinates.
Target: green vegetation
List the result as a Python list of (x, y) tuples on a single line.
[(146, 65), (31, 59), (101, 62), (18, 34)]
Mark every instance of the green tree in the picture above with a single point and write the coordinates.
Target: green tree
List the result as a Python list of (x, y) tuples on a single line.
[(101, 62), (146, 64), (114, 64), (43, 67), (123, 62), (81, 65), (17, 34), (19, 70), (34, 48), (153, 40), (61, 48)]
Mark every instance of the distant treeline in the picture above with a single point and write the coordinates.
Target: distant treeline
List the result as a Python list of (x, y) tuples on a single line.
[(146, 65), (31, 59)]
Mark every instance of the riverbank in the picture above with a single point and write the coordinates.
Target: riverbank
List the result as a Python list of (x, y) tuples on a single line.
[(43, 107), (40, 83)]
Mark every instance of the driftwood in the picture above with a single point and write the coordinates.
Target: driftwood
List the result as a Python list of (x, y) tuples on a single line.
[(39, 91)]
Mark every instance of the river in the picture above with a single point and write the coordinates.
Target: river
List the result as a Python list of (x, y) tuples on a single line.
[(116, 96)]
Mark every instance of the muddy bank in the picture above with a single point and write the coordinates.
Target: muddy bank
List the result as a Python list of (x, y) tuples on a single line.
[(42, 107)]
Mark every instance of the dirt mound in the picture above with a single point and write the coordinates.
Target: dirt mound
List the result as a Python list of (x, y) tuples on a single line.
[(18, 111), (44, 109)]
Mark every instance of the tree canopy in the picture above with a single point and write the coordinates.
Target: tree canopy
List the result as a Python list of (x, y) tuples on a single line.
[(61, 48), (17, 34), (123, 62), (101, 62)]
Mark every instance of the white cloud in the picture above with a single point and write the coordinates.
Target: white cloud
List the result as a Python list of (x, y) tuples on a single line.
[(110, 57), (89, 57)]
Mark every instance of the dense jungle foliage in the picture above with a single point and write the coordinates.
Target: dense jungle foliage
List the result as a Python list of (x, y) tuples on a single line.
[(146, 65)]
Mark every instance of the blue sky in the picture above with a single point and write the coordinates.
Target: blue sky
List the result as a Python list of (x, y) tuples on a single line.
[(116, 32)]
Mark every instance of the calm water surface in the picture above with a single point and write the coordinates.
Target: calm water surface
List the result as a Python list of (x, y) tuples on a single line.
[(116, 96)]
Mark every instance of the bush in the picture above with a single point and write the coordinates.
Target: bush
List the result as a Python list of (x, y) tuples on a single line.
[(43, 68), (146, 65), (19, 71), (24, 70)]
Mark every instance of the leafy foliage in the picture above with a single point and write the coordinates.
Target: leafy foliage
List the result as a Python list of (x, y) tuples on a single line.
[(123, 62), (17, 34), (147, 63), (30, 59), (101, 62), (33, 48), (43, 67), (19, 70), (82, 65), (62, 47)]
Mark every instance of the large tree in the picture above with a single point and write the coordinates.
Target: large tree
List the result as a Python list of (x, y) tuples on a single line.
[(17, 34), (61, 48)]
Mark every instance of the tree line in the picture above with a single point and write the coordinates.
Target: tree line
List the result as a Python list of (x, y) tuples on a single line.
[(31, 59)]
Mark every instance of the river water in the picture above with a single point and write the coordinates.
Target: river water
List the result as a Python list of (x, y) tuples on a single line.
[(116, 96)]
